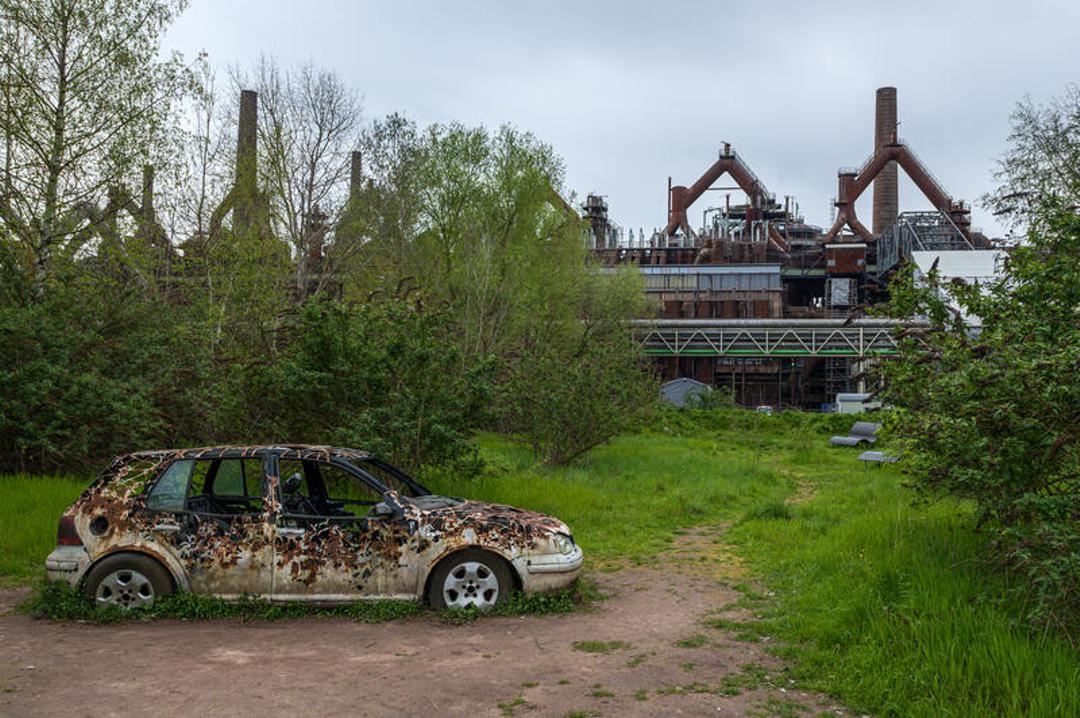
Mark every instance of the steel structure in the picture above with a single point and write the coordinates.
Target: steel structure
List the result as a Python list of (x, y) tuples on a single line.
[(762, 201), (851, 183), (789, 343), (918, 231), (769, 337)]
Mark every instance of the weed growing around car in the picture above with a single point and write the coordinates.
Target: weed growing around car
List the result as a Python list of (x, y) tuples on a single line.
[(60, 602)]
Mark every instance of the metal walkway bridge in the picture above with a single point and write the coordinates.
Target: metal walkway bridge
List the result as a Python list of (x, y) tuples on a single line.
[(768, 337)]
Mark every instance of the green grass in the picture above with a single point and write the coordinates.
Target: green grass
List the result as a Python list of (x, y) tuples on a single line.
[(626, 499), (30, 508), (600, 646), (893, 608), (60, 602), (693, 642)]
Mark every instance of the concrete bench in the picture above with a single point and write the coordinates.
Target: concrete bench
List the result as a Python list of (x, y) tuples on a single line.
[(863, 432), (877, 457)]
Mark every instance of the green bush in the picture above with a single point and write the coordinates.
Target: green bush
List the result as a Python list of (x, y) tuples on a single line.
[(385, 377), (993, 414)]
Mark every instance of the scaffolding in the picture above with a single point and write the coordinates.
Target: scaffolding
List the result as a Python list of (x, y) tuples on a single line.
[(837, 376), (916, 231)]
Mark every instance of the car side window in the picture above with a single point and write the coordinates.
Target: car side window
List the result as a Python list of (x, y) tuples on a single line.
[(290, 467), (170, 491), (325, 491), (346, 493), (229, 480), (225, 487)]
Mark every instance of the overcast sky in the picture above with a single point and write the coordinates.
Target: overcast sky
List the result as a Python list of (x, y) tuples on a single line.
[(631, 92)]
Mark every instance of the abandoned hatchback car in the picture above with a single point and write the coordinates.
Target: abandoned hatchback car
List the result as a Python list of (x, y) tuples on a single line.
[(310, 523)]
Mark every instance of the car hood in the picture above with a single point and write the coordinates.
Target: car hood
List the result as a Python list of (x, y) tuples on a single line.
[(447, 517)]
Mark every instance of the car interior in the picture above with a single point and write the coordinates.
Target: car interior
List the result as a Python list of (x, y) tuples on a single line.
[(226, 486), (316, 488)]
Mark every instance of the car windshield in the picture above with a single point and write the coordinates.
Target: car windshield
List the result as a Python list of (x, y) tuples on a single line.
[(390, 477)]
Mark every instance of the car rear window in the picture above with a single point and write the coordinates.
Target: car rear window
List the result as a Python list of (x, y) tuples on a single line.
[(170, 491)]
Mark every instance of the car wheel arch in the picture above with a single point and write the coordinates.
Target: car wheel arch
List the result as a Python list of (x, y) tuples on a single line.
[(514, 575), (179, 579)]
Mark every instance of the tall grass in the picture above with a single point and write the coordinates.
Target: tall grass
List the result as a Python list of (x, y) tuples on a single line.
[(893, 608), (30, 507)]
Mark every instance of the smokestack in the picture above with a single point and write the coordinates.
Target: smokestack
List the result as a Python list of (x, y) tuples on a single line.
[(356, 175), (246, 162), (245, 139), (886, 196)]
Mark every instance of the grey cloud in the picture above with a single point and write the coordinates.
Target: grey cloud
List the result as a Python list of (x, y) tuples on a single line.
[(631, 92)]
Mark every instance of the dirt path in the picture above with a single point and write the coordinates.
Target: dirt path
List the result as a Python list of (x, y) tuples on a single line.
[(656, 657)]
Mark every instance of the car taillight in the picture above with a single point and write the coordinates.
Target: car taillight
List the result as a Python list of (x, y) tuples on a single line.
[(66, 534)]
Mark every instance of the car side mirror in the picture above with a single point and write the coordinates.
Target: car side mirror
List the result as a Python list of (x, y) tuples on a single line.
[(384, 509)]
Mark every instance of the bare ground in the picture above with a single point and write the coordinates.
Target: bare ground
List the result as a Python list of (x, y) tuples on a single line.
[(500, 666)]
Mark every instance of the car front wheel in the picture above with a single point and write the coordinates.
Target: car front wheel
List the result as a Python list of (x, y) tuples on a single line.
[(470, 579)]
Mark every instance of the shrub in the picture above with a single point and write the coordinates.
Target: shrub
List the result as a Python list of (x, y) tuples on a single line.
[(992, 414)]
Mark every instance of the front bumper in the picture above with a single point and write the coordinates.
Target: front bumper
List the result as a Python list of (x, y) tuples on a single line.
[(66, 564), (549, 571)]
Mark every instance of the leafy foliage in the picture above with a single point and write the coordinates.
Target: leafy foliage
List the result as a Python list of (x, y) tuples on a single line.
[(385, 377), (86, 97), (993, 414), (281, 302), (1042, 161)]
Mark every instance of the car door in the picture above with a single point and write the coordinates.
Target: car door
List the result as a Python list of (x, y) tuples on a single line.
[(336, 538), (210, 514)]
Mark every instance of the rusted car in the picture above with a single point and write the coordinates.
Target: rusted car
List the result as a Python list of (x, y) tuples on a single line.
[(305, 523)]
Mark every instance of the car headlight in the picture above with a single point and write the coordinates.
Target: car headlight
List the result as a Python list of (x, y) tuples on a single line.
[(563, 543)]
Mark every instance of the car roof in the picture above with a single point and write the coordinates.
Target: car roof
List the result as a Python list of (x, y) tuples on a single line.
[(232, 451)]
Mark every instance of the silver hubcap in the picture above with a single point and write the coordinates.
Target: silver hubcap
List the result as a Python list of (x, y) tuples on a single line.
[(471, 584), (125, 588)]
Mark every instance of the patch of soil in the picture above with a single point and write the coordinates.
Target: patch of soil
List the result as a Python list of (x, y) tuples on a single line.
[(10, 598), (655, 656)]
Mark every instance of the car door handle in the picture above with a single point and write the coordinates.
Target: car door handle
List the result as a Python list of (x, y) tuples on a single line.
[(167, 528), (289, 531)]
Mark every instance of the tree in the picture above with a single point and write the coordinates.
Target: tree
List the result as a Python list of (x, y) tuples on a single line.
[(84, 97), (988, 409), (573, 385), (472, 219), (1042, 162), (196, 161), (384, 377)]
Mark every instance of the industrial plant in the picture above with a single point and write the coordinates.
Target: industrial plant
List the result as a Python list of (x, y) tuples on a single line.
[(770, 307)]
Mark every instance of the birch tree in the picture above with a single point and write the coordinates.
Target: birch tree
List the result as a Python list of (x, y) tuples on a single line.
[(85, 93)]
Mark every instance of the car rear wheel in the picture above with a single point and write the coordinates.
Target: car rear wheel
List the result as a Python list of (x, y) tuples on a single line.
[(470, 579), (128, 581)]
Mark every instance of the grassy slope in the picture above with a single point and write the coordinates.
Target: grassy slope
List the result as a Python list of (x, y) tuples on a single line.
[(884, 605)]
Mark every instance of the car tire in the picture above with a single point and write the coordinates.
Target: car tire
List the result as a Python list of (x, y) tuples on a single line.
[(127, 580), (472, 578)]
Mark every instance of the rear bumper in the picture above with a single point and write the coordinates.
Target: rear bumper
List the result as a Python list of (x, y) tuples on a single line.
[(66, 564)]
